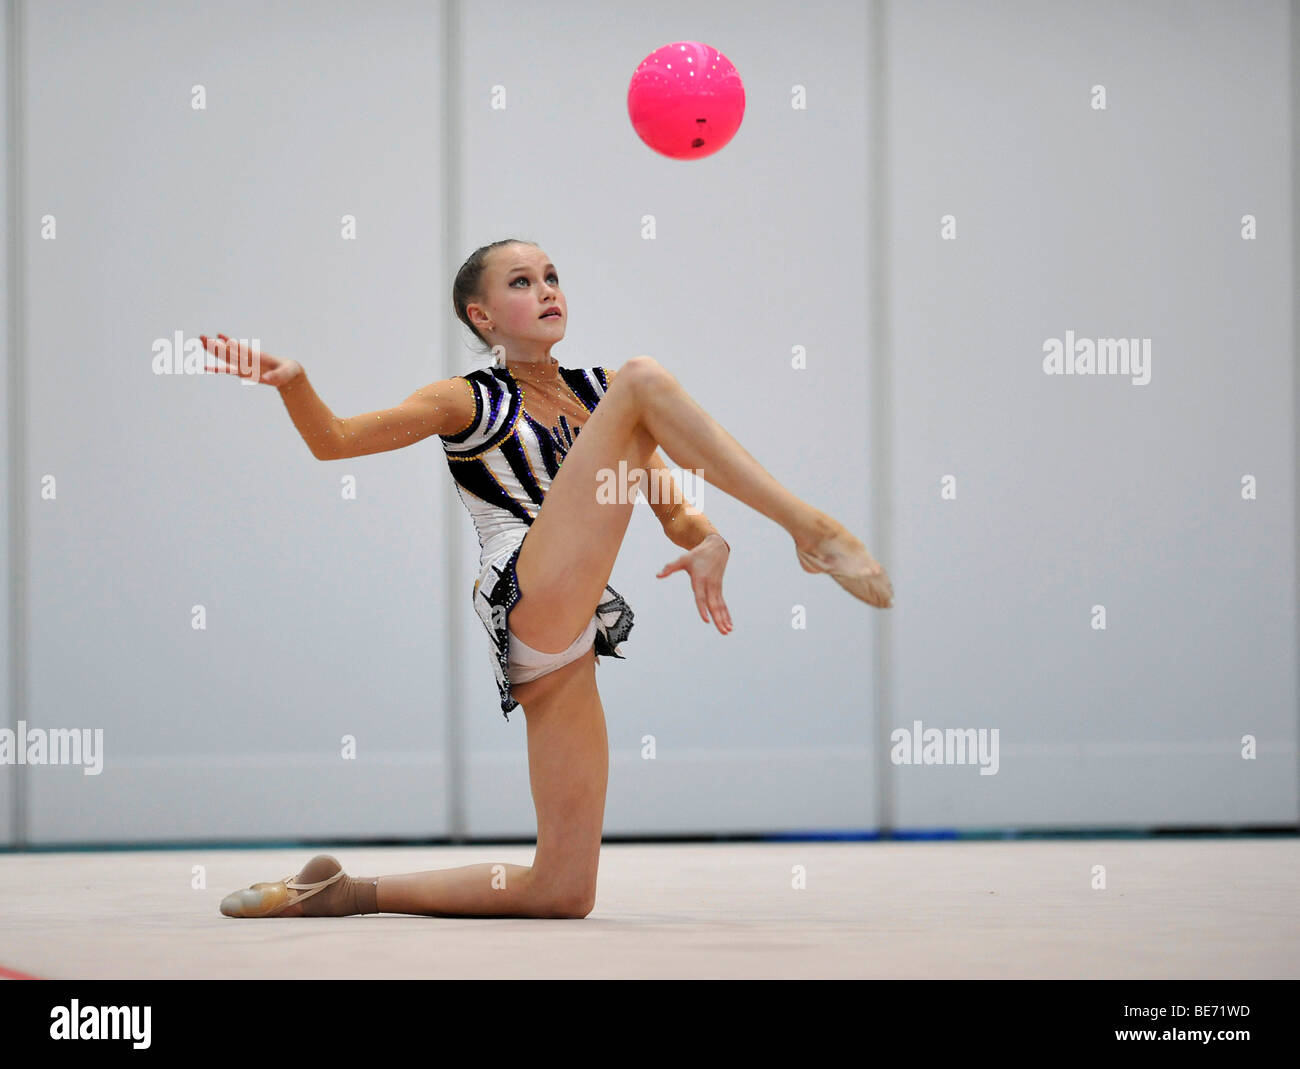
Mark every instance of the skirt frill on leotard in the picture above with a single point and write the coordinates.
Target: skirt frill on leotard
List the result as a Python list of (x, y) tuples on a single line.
[(496, 592)]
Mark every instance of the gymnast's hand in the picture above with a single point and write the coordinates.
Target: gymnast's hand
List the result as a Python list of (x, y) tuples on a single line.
[(236, 358), (705, 565)]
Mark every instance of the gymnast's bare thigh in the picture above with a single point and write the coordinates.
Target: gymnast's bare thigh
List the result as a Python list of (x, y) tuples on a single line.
[(573, 677)]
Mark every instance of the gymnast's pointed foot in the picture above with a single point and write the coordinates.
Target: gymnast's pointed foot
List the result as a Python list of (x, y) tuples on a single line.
[(321, 889), (837, 552)]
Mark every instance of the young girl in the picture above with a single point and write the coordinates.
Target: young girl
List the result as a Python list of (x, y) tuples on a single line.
[(528, 443)]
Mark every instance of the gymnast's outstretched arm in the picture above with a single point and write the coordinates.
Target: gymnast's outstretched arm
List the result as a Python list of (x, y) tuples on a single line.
[(689, 528), (684, 525), (445, 407)]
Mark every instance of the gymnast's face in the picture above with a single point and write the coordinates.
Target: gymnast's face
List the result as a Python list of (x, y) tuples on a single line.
[(520, 286)]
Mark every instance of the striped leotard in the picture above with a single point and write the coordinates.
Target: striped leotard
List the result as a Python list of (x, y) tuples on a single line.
[(503, 463)]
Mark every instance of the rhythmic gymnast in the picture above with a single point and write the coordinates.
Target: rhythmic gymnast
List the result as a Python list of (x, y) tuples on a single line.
[(548, 543)]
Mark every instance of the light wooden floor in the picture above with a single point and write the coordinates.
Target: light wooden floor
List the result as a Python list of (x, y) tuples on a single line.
[(1188, 908)]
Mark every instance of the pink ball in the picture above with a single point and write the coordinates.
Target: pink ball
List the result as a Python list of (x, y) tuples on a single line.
[(686, 100)]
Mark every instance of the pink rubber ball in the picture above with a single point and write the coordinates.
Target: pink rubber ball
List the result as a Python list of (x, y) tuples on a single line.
[(686, 100)]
